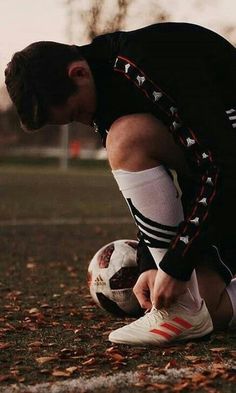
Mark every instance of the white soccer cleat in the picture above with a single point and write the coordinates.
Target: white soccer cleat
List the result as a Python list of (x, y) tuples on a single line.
[(163, 327)]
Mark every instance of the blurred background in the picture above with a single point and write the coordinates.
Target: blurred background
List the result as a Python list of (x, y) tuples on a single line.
[(59, 204), (78, 21)]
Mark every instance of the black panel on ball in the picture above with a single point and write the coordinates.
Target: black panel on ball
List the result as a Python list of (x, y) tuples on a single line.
[(126, 277), (109, 305)]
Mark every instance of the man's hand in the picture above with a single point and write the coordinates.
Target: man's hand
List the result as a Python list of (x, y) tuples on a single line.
[(156, 288), (143, 288), (167, 290)]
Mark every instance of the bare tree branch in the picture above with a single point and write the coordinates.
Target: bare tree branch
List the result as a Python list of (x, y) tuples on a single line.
[(96, 21), (118, 21)]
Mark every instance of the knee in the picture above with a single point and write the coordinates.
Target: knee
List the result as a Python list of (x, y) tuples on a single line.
[(140, 141), (131, 143)]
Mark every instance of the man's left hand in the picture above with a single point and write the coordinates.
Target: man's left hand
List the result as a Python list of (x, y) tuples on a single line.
[(167, 290)]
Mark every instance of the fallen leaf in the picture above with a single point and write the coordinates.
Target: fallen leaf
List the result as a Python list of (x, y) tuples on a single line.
[(217, 366), (159, 386), (33, 310), (193, 359), (179, 387), (31, 265), (117, 357), (198, 378), (61, 373), (72, 369), (91, 370), (13, 295), (171, 364), (44, 371), (220, 349), (111, 349), (4, 345), (35, 344), (89, 362), (143, 365), (45, 359)]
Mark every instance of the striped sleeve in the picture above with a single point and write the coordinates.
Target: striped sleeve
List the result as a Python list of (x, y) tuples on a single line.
[(176, 261)]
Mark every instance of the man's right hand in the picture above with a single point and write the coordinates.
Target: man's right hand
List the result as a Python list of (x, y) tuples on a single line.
[(143, 288)]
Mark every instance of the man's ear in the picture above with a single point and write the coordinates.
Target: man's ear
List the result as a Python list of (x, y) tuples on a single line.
[(78, 70)]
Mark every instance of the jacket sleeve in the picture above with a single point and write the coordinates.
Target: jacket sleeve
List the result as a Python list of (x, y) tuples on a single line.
[(197, 120)]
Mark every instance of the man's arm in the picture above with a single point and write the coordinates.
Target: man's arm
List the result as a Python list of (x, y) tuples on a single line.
[(192, 122)]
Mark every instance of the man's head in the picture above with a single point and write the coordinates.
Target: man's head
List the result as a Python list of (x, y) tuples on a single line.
[(50, 83)]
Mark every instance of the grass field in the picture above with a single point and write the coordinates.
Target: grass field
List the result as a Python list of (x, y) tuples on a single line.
[(51, 224)]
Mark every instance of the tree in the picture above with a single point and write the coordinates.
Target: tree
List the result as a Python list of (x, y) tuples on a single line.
[(85, 21), (95, 17)]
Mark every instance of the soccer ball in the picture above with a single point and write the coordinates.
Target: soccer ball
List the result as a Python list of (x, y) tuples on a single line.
[(112, 273)]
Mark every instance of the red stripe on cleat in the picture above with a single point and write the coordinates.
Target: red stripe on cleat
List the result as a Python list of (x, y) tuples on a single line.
[(182, 322), (161, 333), (172, 328)]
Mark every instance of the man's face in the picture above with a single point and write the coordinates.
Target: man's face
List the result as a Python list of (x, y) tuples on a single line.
[(80, 106)]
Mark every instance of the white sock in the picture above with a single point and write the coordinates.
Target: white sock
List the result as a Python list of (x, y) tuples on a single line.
[(231, 290), (157, 209)]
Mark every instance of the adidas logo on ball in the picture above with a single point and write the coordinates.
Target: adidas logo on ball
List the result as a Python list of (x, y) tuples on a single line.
[(99, 281)]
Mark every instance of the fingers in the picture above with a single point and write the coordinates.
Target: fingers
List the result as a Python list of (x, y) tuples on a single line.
[(144, 287), (166, 290), (156, 288), (143, 298)]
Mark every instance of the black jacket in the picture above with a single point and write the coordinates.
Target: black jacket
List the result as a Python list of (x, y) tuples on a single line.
[(186, 76)]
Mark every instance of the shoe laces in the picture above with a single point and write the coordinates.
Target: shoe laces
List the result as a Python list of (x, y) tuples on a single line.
[(158, 313), (152, 316)]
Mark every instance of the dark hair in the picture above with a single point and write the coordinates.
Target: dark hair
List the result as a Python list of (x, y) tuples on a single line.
[(36, 78)]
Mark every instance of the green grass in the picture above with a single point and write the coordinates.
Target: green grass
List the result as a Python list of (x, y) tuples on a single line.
[(49, 162), (46, 192), (45, 307)]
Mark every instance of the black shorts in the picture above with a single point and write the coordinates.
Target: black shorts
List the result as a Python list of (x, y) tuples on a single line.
[(220, 260)]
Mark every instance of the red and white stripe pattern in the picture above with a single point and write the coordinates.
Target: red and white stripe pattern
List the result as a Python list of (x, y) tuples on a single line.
[(170, 330)]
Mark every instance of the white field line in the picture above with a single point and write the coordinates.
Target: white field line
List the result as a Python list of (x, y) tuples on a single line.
[(66, 221), (120, 382)]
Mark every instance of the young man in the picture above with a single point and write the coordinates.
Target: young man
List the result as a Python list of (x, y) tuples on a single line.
[(162, 97)]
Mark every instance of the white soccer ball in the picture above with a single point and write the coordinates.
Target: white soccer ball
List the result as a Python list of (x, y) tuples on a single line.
[(112, 274)]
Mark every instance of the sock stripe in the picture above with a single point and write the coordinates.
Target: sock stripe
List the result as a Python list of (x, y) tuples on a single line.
[(156, 232), (155, 235), (146, 220), (153, 243), (151, 236)]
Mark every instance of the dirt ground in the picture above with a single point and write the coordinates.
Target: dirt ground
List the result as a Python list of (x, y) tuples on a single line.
[(51, 224)]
